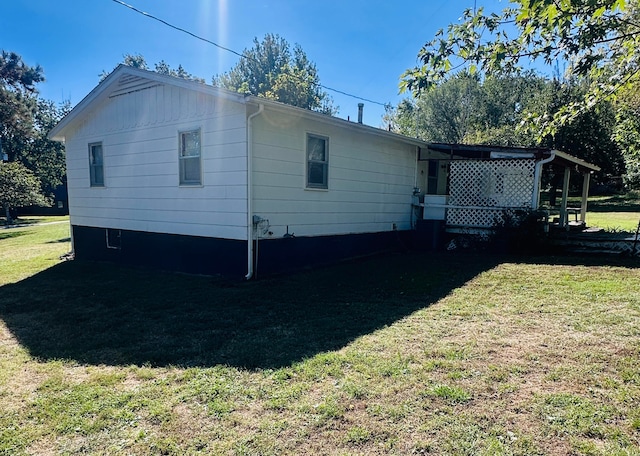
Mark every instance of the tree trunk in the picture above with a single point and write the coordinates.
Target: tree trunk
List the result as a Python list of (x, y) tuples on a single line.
[(7, 213)]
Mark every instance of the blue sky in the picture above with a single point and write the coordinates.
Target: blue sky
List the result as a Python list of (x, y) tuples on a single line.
[(359, 46)]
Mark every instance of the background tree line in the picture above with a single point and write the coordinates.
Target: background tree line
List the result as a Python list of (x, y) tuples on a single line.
[(591, 111), (497, 110), (32, 166)]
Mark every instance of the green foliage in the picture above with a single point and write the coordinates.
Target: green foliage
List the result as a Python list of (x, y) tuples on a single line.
[(19, 187), (25, 121), (162, 67), (44, 157), (589, 133), (599, 39), (269, 69), (501, 110), (18, 101), (627, 134), (465, 109)]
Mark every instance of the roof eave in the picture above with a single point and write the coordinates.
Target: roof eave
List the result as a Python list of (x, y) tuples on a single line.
[(576, 161), (336, 121), (102, 91)]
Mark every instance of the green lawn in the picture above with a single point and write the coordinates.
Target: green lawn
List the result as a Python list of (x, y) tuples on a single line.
[(615, 213), (411, 353), (28, 248)]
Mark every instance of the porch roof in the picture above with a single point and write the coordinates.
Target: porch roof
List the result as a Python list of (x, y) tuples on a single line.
[(487, 152)]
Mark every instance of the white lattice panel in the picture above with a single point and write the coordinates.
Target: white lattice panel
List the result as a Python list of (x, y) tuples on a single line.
[(477, 186)]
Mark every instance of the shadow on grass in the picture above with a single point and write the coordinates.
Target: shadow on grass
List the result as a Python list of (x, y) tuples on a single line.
[(96, 313), (18, 222), (11, 234), (59, 241), (618, 203), (102, 314)]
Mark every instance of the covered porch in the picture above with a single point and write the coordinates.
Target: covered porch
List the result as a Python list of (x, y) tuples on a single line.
[(477, 187)]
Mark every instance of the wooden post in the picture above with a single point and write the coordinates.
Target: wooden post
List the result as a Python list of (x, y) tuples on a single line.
[(564, 216), (585, 196)]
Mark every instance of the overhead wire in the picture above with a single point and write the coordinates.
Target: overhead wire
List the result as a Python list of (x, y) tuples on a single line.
[(180, 29)]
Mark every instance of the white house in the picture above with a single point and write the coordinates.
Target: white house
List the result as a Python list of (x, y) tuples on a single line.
[(185, 176)]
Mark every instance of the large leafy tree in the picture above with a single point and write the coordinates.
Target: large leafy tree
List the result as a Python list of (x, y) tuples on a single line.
[(466, 109), (18, 101), (25, 120), (270, 69), (588, 134), (44, 157), (597, 38), (448, 114), (19, 187), (627, 133)]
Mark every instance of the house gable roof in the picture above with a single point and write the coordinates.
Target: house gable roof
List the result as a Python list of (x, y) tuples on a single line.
[(125, 79)]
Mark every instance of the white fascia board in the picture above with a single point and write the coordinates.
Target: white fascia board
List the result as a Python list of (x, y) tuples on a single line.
[(576, 160)]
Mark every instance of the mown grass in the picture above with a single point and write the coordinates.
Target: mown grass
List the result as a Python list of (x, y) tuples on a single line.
[(616, 213), (28, 248), (428, 353), (615, 222)]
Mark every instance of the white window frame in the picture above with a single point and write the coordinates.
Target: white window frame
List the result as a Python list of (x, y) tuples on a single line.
[(182, 158), (324, 163), (93, 167)]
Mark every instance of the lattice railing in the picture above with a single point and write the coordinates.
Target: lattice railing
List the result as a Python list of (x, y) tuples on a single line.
[(483, 191)]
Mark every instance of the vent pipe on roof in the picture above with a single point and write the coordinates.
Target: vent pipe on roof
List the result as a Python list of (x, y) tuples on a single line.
[(360, 107)]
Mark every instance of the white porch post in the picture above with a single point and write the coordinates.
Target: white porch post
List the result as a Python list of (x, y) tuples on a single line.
[(585, 196), (564, 217)]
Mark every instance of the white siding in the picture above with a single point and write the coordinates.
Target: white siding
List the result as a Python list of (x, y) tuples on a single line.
[(371, 179), (139, 134)]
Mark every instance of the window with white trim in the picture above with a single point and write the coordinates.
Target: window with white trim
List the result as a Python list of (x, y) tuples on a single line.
[(96, 165), (190, 158), (317, 161)]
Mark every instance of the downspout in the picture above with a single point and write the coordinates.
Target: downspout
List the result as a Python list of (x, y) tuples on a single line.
[(537, 177), (250, 192), (415, 197)]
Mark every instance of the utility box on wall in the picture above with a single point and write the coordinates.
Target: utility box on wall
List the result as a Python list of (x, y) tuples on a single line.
[(434, 207)]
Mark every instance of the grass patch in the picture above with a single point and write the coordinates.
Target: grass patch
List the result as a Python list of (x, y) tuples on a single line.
[(406, 354), (30, 248), (616, 213), (451, 394), (614, 221)]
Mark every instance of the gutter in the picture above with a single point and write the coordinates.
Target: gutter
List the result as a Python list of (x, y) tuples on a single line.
[(535, 197), (250, 269)]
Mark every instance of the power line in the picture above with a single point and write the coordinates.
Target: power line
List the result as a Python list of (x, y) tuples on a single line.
[(180, 29)]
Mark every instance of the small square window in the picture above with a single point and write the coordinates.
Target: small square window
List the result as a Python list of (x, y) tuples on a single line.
[(317, 162), (190, 158), (96, 165)]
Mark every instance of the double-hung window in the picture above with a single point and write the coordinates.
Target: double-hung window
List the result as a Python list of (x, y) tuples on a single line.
[(190, 158), (96, 165), (317, 161)]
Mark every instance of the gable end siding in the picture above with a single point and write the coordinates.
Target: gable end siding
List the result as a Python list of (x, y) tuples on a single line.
[(139, 129)]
